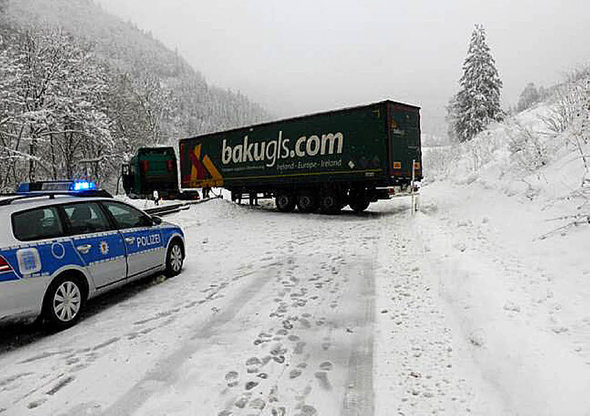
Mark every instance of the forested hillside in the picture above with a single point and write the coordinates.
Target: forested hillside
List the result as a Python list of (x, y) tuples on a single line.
[(81, 90)]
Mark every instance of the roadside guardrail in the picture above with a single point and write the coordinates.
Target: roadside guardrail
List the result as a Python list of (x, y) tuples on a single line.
[(174, 208)]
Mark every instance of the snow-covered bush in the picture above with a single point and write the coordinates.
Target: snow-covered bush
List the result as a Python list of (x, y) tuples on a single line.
[(438, 161), (461, 161), (528, 148), (565, 105)]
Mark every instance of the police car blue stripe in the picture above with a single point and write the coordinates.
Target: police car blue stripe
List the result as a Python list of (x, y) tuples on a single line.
[(8, 277)]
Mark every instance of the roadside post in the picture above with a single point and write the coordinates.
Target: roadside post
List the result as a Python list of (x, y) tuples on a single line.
[(412, 184)]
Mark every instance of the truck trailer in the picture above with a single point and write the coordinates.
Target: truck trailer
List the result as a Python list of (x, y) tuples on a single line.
[(324, 161)]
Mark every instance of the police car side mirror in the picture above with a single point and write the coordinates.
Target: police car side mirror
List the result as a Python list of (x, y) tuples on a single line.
[(156, 220)]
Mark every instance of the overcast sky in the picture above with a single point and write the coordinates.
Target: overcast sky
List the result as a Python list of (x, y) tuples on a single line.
[(298, 57)]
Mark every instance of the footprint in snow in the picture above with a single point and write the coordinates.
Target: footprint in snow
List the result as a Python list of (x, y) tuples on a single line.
[(305, 323), (251, 384), (299, 347), (307, 410), (231, 379), (278, 349), (252, 365), (242, 401), (279, 411), (36, 403), (257, 404), (326, 365)]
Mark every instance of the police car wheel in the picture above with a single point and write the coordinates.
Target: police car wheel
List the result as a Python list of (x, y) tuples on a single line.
[(64, 302), (174, 259)]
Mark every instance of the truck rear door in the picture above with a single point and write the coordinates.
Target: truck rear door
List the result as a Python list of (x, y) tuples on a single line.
[(404, 133)]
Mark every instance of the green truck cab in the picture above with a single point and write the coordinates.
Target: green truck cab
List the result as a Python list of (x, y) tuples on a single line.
[(324, 161), (153, 169)]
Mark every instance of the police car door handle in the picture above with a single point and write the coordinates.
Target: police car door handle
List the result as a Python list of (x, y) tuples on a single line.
[(130, 240), (84, 249)]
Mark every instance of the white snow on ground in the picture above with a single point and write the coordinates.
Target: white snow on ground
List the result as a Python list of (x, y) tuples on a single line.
[(521, 302), (273, 314)]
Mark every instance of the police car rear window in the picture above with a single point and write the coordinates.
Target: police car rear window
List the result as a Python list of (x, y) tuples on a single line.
[(37, 224)]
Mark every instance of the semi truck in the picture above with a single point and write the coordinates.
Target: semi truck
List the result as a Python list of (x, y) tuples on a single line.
[(324, 161)]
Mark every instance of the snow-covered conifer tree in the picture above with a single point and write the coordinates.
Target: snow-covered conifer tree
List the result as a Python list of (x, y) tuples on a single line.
[(478, 100)]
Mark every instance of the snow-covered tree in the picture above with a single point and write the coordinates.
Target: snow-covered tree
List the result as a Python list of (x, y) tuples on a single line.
[(451, 117), (52, 111), (478, 100), (529, 96)]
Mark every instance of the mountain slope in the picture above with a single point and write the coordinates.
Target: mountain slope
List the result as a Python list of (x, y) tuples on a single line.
[(130, 50), (78, 84)]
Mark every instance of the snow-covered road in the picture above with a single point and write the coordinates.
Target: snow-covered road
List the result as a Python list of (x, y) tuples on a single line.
[(274, 314)]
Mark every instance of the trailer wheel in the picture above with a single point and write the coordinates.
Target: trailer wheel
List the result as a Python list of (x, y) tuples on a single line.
[(307, 202), (285, 202), (330, 203), (359, 205)]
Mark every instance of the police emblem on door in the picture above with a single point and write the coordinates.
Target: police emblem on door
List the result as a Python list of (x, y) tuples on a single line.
[(29, 261), (104, 248)]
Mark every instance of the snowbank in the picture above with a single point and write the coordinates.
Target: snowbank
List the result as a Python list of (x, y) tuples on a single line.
[(497, 230)]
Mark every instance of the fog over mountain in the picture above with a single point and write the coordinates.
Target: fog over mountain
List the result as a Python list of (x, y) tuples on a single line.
[(300, 57)]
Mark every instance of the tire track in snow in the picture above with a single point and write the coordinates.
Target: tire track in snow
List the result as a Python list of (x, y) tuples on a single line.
[(359, 396), (164, 372)]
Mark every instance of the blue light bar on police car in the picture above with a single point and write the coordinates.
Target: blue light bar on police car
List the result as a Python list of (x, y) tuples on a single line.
[(83, 185), (56, 186)]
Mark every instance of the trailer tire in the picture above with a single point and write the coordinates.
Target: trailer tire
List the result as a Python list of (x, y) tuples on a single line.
[(359, 205), (330, 203), (307, 202), (285, 202)]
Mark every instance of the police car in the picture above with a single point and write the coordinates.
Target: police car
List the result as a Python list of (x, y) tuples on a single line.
[(62, 243)]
